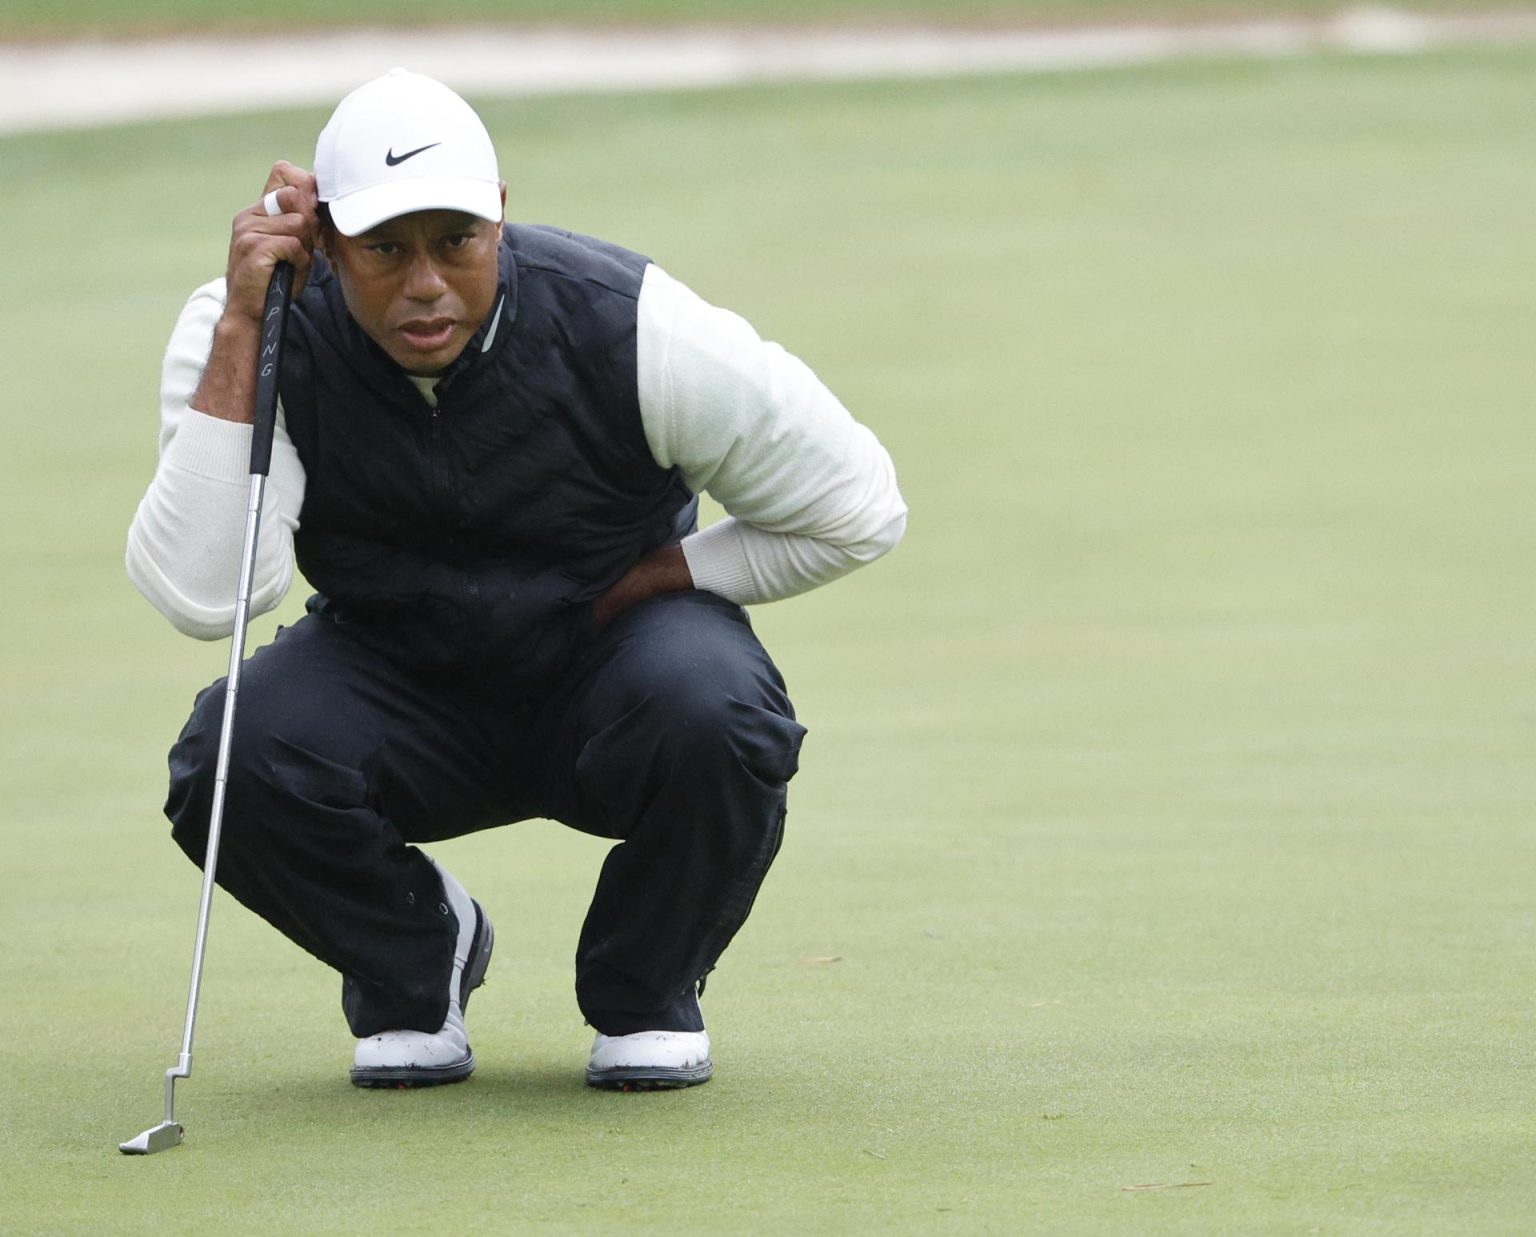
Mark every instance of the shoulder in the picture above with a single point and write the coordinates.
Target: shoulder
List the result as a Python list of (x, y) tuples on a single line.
[(554, 253), (678, 327)]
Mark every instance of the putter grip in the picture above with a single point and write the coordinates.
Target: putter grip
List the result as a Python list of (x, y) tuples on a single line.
[(274, 321)]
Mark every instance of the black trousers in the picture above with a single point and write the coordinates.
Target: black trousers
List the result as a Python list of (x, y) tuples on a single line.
[(671, 733)]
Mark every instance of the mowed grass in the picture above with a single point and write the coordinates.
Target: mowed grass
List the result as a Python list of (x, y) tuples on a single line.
[(74, 18), (1161, 859)]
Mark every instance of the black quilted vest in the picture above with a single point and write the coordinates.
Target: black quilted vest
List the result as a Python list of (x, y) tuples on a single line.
[(470, 540)]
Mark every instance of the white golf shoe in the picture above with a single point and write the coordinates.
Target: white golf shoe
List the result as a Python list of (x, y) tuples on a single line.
[(650, 1060), (429, 1058)]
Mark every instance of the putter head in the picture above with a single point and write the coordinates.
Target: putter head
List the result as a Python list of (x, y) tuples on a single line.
[(159, 1138)]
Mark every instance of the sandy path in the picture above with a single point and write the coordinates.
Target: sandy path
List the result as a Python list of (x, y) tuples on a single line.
[(91, 83)]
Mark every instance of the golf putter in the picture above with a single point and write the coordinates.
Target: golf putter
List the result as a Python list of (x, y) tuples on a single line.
[(273, 320)]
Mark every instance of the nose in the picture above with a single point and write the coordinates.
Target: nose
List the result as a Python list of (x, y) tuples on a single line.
[(423, 281)]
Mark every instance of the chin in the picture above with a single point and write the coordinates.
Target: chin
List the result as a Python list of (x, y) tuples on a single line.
[(427, 364)]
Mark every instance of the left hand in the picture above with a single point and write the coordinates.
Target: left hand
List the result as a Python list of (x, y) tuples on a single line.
[(661, 571)]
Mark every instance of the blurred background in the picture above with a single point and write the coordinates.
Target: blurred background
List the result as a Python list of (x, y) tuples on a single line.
[(1162, 854)]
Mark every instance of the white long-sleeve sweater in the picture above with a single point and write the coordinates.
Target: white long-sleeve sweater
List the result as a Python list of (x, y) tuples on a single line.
[(810, 493)]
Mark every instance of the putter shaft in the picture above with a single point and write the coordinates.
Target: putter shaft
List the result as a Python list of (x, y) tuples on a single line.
[(169, 1133)]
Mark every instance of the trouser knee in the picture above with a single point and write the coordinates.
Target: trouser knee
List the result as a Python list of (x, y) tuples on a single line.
[(732, 752), (253, 787), (698, 760), (718, 730), (695, 781), (192, 764)]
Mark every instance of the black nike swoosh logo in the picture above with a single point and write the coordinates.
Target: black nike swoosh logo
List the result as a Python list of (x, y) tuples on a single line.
[(395, 160)]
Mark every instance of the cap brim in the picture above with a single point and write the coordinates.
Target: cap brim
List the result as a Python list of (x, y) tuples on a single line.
[(367, 208)]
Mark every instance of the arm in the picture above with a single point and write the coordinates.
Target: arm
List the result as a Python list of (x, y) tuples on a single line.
[(662, 571), (184, 542), (811, 494)]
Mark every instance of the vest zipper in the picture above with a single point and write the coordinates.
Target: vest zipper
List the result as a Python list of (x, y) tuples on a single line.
[(439, 464), (441, 483)]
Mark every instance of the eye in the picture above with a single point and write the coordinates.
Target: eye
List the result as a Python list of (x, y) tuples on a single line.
[(458, 240), (385, 249)]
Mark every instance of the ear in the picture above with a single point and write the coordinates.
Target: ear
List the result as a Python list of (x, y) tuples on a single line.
[(325, 234)]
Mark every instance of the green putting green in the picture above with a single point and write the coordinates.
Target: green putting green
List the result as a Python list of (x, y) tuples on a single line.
[(1161, 859)]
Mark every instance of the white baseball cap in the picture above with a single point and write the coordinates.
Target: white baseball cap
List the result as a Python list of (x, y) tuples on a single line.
[(402, 143)]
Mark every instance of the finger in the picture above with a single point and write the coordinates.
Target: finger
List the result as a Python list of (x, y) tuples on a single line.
[(286, 214), (277, 214), (285, 200), (258, 221), (291, 190), (273, 204), (258, 253), (285, 173), (258, 245)]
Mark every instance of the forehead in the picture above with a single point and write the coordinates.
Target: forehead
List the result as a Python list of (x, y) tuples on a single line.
[(425, 223)]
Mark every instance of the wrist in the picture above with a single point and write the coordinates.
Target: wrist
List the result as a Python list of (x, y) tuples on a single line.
[(662, 571), (226, 389), (236, 328)]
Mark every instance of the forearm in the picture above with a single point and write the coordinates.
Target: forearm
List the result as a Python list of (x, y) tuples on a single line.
[(184, 544), (663, 571), (227, 388), (751, 565)]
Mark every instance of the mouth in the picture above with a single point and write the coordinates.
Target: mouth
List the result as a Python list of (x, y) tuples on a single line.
[(427, 334)]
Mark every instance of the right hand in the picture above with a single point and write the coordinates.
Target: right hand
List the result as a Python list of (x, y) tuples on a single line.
[(259, 241)]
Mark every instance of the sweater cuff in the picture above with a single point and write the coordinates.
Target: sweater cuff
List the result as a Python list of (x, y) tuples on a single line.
[(210, 447), (717, 560)]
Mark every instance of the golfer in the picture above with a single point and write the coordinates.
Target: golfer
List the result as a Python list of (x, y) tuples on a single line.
[(486, 464)]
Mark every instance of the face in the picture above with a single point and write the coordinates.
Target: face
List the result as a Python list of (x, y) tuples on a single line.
[(420, 285)]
